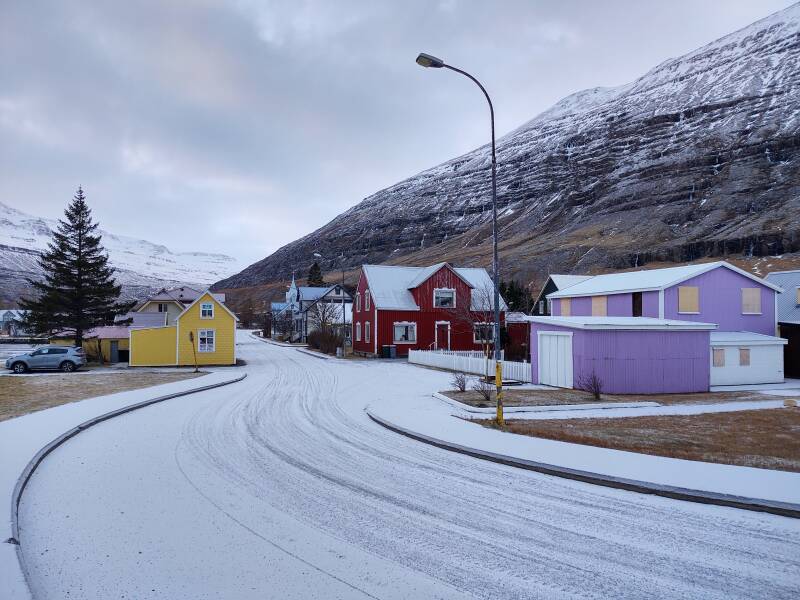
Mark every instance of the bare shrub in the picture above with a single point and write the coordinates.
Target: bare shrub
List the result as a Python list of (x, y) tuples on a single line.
[(591, 383), (459, 381), (324, 341), (484, 389)]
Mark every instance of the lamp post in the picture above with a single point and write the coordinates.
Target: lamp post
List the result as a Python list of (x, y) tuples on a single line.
[(428, 61), (341, 290)]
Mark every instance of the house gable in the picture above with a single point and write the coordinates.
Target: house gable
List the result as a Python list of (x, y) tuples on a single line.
[(444, 278), (223, 325)]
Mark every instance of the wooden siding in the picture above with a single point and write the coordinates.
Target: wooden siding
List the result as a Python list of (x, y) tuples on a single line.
[(363, 316), (224, 326), (152, 347)]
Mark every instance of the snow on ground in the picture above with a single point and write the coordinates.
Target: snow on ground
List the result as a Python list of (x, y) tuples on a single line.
[(281, 486), (23, 437)]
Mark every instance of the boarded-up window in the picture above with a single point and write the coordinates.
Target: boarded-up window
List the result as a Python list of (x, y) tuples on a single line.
[(751, 301), (565, 307), (688, 299), (798, 296), (719, 357), (599, 306), (744, 357)]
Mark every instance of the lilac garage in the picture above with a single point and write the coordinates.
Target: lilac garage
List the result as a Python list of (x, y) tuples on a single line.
[(630, 355)]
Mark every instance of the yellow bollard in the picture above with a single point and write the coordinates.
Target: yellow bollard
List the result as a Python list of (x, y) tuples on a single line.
[(498, 382)]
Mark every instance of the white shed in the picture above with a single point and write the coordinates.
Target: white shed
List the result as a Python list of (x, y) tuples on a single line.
[(742, 357)]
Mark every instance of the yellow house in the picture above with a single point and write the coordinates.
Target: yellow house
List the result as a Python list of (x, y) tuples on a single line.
[(203, 333), (109, 341)]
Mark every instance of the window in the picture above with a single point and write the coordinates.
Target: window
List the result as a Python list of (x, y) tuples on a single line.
[(483, 333), (689, 299), (207, 310), (58, 351), (744, 357), (405, 333), (566, 306), (205, 340), (541, 307), (162, 307), (366, 301), (719, 357), (751, 301), (358, 332), (358, 302), (636, 302), (444, 298), (798, 296), (366, 332), (599, 306)]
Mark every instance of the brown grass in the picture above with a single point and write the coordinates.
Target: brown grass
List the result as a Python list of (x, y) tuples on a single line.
[(514, 397), (767, 439), (22, 395)]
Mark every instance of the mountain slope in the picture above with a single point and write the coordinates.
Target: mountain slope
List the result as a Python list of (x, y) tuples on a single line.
[(698, 157), (141, 265)]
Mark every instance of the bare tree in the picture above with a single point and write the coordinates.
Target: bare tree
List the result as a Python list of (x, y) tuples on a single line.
[(484, 389), (590, 383), (460, 381), (476, 318), (324, 316), (282, 324)]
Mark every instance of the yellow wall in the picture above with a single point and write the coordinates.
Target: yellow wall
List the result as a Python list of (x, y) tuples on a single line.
[(153, 347), (90, 346), (224, 326)]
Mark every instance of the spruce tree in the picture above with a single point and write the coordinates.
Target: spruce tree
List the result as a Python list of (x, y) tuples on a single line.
[(78, 291), (314, 278)]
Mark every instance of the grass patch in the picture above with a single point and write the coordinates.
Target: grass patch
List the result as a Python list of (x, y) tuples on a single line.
[(767, 439), (22, 395)]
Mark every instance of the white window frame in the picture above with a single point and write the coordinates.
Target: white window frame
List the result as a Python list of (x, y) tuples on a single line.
[(367, 331), (760, 308), (404, 324), (475, 326), (366, 300), (203, 307), (164, 304), (204, 348), (358, 301), (437, 290), (358, 331)]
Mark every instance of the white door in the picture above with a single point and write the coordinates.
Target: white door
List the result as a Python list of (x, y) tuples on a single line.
[(555, 358)]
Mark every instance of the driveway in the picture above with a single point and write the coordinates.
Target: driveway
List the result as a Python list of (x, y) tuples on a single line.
[(281, 487)]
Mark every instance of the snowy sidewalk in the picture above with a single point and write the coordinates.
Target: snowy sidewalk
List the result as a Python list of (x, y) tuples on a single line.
[(23, 437), (433, 422)]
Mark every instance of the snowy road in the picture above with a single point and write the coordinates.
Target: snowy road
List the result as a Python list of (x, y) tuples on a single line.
[(281, 487)]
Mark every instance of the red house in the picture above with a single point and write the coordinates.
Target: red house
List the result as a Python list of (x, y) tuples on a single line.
[(423, 308)]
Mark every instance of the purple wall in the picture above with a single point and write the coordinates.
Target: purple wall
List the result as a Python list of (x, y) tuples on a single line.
[(636, 362), (721, 302), (619, 305), (650, 304)]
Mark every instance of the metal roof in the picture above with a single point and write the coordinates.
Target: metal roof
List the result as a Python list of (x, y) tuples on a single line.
[(622, 323), (647, 280), (748, 338), (788, 308), (564, 281)]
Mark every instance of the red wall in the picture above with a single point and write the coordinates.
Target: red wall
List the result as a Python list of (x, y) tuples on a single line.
[(362, 317), (460, 331)]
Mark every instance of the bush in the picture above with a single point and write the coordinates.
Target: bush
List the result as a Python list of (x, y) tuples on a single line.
[(590, 383), (324, 341), (484, 388), (459, 381)]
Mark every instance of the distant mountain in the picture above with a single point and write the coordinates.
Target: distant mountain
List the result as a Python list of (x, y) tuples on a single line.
[(141, 265), (699, 157)]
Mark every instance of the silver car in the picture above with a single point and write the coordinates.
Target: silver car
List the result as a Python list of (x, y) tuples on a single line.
[(63, 358)]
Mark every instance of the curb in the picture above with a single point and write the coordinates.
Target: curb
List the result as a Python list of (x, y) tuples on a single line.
[(274, 343), (39, 457), (784, 509), (544, 408), (314, 354)]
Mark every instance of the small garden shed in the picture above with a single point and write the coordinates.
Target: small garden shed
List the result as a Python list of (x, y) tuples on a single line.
[(628, 355)]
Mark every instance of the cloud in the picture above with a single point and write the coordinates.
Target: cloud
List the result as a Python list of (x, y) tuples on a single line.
[(255, 122)]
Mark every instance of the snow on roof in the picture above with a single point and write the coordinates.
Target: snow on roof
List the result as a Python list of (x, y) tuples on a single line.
[(622, 323), (147, 319), (788, 308), (645, 280), (313, 293), (184, 295), (564, 281), (389, 286), (745, 337)]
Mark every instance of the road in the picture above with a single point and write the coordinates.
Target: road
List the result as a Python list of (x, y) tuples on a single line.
[(281, 487)]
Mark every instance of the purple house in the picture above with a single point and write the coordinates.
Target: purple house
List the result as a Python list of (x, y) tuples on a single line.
[(681, 329)]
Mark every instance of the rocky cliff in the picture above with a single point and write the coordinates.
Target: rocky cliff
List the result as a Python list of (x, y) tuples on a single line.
[(699, 157)]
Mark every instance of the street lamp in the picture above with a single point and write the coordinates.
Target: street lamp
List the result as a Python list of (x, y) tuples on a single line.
[(344, 320), (428, 61)]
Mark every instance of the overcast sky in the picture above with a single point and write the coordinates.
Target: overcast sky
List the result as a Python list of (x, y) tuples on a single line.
[(239, 126)]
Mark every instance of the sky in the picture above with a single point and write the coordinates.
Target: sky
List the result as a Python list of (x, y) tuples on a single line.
[(237, 127)]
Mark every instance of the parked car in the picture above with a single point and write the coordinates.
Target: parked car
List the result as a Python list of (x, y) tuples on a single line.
[(63, 358)]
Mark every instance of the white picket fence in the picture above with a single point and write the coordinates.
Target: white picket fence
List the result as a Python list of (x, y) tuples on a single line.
[(469, 362)]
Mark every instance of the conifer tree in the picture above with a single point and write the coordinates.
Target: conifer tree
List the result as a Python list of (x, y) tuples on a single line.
[(314, 278), (78, 290)]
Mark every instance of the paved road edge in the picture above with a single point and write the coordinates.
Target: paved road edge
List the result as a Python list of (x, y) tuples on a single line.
[(39, 457), (784, 509)]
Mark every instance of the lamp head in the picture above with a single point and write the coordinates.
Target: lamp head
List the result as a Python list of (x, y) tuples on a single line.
[(426, 60)]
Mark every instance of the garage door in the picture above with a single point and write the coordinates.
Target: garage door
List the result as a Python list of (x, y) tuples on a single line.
[(555, 358)]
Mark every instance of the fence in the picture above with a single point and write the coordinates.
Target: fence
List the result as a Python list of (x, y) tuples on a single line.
[(469, 362)]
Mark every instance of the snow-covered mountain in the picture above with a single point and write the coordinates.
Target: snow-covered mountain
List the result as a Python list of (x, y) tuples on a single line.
[(141, 266), (698, 157)]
